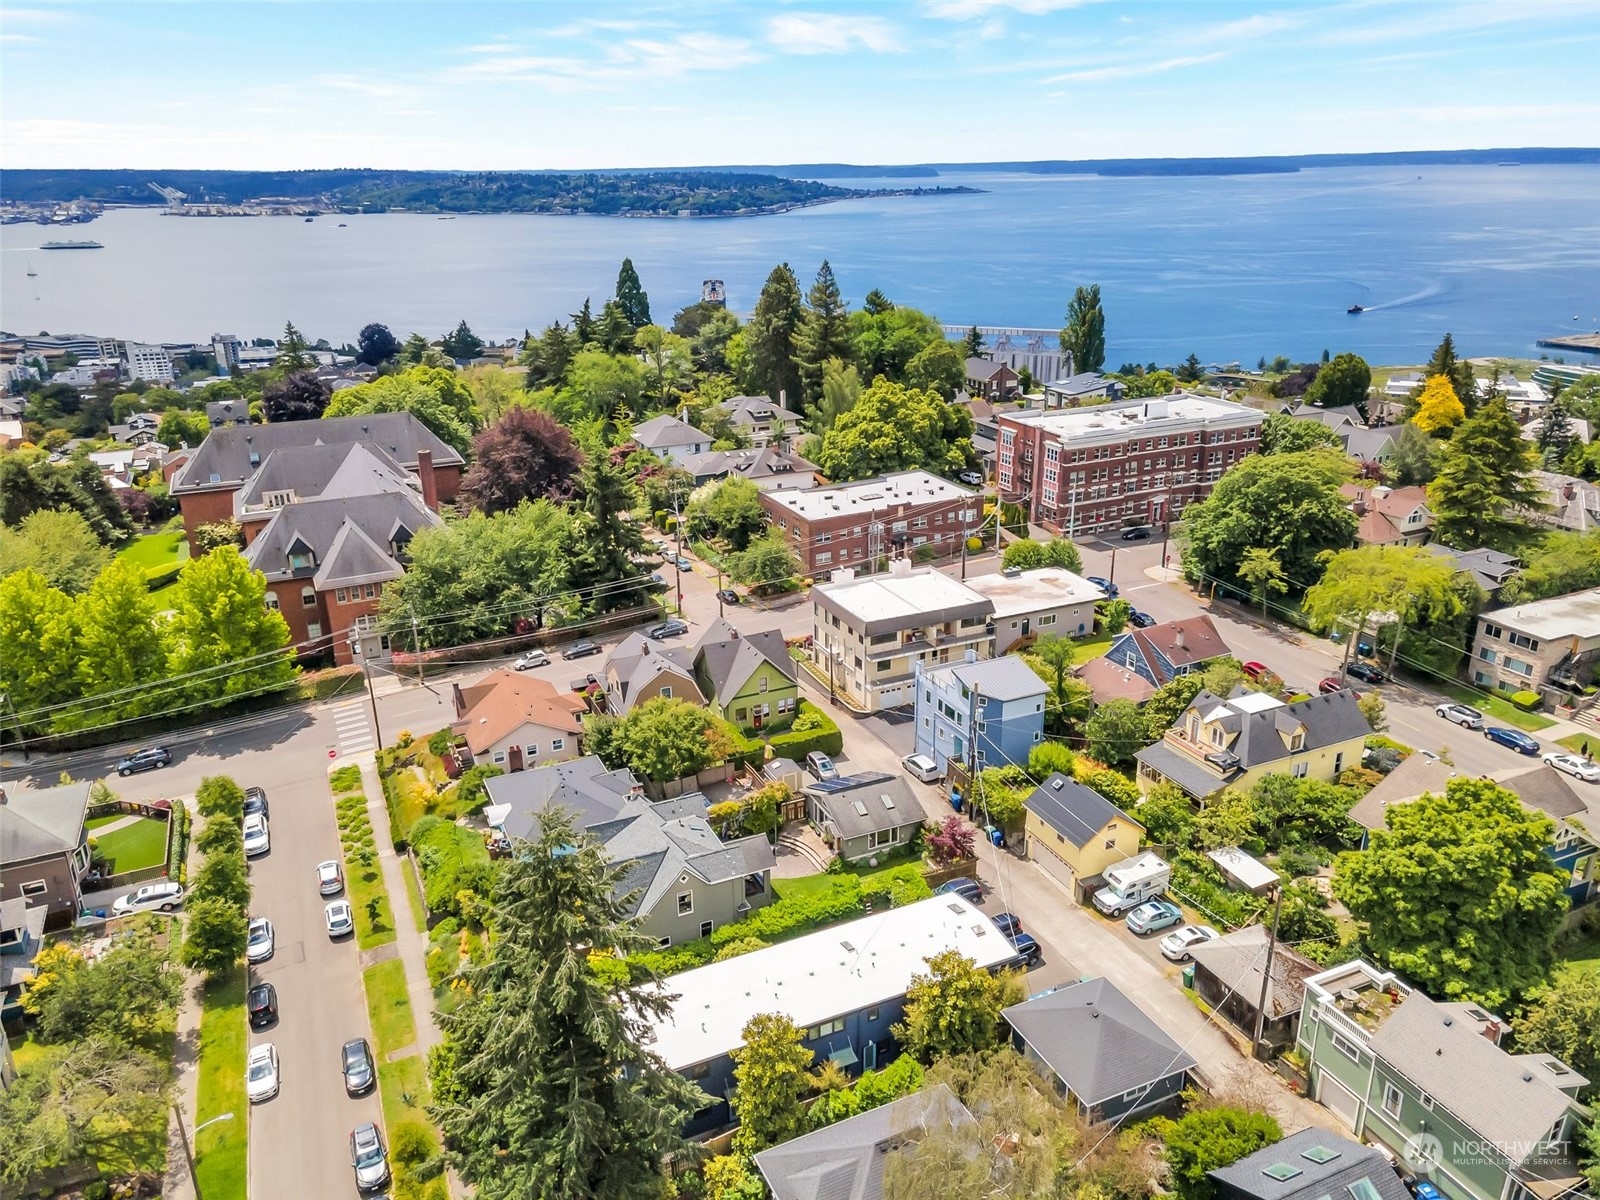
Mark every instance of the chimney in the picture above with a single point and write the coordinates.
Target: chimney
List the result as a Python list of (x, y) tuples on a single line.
[(1568, 491), (971, 655), (1177, 637), (430, 488), (455, 690)]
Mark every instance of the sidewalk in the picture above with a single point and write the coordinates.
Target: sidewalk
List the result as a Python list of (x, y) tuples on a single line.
[(177, 1183)]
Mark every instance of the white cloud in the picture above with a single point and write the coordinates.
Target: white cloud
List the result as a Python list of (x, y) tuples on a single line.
[(966, 10), (17, 38), (626, 63), (1133, 70), (828, 33)]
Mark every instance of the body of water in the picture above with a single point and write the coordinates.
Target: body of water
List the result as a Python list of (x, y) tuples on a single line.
[(1227, 267)]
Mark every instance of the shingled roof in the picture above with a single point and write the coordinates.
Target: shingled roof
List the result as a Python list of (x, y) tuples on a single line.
[(1076, 812), (637, 662), (504, 701), (40, 823), (352, 538), (325, 472), (223, 460), (724, 658)]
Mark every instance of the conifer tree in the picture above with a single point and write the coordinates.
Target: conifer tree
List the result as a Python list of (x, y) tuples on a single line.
[(1084, 336), (770, 336), (824, 333), (1485, 488), (631, 296)]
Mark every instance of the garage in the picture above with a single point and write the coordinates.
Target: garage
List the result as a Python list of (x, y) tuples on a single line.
[(1052, 863), (1340, 1100)]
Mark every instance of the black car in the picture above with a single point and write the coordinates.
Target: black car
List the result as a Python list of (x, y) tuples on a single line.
[(255, 802), (968, 889), (1028, 949), (1136, 534), (360, 1073), (581, 650), (147, 759), (1008, 924), (669, 628), (1140, 620), (1366, 672), (729, 596), (262, 1005)]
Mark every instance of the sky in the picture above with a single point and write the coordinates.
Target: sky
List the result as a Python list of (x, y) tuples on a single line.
[(616, 85)]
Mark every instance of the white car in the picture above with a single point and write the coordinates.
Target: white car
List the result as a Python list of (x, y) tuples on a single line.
[(1575, 765), (533, 658), (1460, 714), (920, 766), (152, 897), (1177, 944), (330, 879), (261, 1073), (258, 946), (256, 838), (340, 918)]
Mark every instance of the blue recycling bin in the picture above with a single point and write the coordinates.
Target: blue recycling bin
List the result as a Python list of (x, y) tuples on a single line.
[(955, 799), (997, 837)]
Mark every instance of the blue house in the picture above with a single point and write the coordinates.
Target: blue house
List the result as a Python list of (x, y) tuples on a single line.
[(1161, 653), (844, 987), (995, 705), (21, 936)]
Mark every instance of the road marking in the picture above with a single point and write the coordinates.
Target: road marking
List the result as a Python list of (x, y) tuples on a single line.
[(355, 732)]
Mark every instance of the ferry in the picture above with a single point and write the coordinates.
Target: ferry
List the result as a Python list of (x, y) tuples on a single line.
[(72, 246)]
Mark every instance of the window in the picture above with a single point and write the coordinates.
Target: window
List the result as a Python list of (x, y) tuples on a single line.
[(1297, 741), (705, 928), (666, 692), (826, 1029), (557, 744), (1300, 770), (1523, 641), (531, 750), (1037, 736), (1347, 1048), (308, 597), (313, 629), (341, 595), (884, 664), (272, 601), (872, 1014), (1338, 762), (302, 561), (1111, 843), (1391, 1099), (786, 705), (499, 756), (1493, 631), (887, 838), (761, 684), (824, 558), (35, 887), (1050, 619), (370, 591), (664, 942), (685, 903)]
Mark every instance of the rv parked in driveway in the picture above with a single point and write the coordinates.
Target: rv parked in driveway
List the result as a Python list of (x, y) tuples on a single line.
[(1131, 882)]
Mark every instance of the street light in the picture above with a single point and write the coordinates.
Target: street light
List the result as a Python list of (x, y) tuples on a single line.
[(188, 1151)]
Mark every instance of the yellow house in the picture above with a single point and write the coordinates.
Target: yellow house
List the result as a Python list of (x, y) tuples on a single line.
[(1074, 832), (1220, 743)]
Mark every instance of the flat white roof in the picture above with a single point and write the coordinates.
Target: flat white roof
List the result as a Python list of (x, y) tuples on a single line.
[(893, 597), (1250, 872), (1573, 615), (1179, 411), (1038, 590), (822, 975), (1253, 702), (869, 495)]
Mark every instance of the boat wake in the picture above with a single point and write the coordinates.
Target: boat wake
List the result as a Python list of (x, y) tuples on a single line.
[(1427, 293)]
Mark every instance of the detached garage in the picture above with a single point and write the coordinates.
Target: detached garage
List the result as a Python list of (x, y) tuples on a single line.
[(1074, 833)]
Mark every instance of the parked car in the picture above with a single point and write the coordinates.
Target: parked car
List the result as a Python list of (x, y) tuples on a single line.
[(1008, 923), (330, 878), (1153, 915), (1575, 765), (530, 660), (261, 1073), (1253, 670), (255, 802), (729, 596), (1140, 620), (583, 685), (368, 1158), (682, 563), (668, 628), (1027, 948), (968, 889), (920, 766), (257, 838), (971, 478), (147, 759), (1137, 534), (581, 650), (655, 583), (340, 918), (261, 1003), (1460, 714), (1365, 672), (1105, 585), (1514, 738), (1330, 685), (820, 765), (1177, 944), (152, 897), (360, 1073), (258, 942)]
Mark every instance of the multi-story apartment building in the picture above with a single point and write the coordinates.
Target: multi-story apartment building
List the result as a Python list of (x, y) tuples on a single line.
[(853, 524), (1550, 646), (151, 363), (987, 713), (1127, 463)]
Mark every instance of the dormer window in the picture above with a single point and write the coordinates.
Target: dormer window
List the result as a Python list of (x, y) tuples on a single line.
[(1194, 727), (301, 556), (1297, 741), (1218, 737)]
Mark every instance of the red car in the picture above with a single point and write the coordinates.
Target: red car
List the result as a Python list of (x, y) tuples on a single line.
[(1330, 684), (1255, 670)]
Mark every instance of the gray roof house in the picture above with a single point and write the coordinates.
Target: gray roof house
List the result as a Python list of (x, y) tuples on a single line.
[(725, 659), (862, 815), (768, 467), (845, 1161), (1310, 1165), (671, 439), (227, 412), (1077, 813), (1101, 1049), (340, 541), (761, 419), (640, 669), (1075, 389), (1227, 976), (684, 881), (44, 848), (1490, 569), (21, 936)]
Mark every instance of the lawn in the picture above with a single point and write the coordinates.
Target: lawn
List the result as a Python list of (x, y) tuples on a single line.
[(156, 550), (27, 1053), (94, 823), (419, 913), (374, 913), (1578, 743), (1084, 649), (405, 1077), (134, 847), (389, 1007), (1500, 710), (815, 885), (221, 1151), (1581, 950)]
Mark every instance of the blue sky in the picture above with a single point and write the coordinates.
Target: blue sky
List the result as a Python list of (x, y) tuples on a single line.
[(553, 85)]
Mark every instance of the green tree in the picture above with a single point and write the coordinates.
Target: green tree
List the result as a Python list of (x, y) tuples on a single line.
[(1024, 553), (214, 937), (129, 995), (1403, 583), (292, 352), (972, 345), (436, 396), (471, 794), (823, 333), (548, 355), (939, 368), (1262, 571), (1084, 336), (220, 838), (1413, 457), (887, 339), (771, 334), (1486, 489), (59, 545), (461, 343), (1167, 814), (771, 1076), (1062, 552), (122, 650), (665, 739), (767, 560), (1342, 382), (546, 1087), (1210, 1138), (1069, 700), (732, 1177), (895, 428), (1283, 434), (602, 387), (631, 297), (222, 876), (181, 428), (44, 619), (377, 345), (1296, 811), (222, 636), (952, 1008), (841, 389), (606, 543), (1556, 436), (220, 796), (1459, 894), (1047, 758), (29, 482), (1113, 616), (729, 509), (1226, 820), (1153, 383), (1563, 1018)]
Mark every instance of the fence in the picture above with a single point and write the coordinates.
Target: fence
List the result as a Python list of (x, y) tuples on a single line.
[(159, 811)]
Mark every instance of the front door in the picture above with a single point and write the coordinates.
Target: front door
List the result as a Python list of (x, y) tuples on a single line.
[(1025, 626)]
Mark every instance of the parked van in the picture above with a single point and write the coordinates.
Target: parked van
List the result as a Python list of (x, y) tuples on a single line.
[(1131, 882)]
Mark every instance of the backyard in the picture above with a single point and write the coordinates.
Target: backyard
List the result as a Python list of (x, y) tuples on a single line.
[(135, 843), (811, 886)]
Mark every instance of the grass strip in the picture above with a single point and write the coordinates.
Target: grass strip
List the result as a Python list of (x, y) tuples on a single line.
[(389, 1007), (221, 1151)]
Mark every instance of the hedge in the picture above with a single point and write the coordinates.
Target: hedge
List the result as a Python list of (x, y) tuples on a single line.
[(178, 843), (796, 744), (452, 860), (745, 751), (905, 884), (391, 802), (156, 578)]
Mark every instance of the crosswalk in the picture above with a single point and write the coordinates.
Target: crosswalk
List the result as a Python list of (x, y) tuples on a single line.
[(354, 728)]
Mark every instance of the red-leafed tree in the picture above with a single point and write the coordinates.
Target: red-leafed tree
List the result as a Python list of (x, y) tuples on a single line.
[(522, 456), (955, 840)]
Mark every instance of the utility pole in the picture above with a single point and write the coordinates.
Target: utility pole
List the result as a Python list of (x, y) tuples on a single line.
[(372, 696), (719, 591), (416, 643), (1266, 972)]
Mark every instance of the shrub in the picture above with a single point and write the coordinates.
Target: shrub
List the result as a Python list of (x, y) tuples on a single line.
[(346, 779), (741, 750), (903, 885), (471, 795), (812, 730), (742, 946), (800, 914), (1196, 879), (1526, 701), (178, 843), (1360, 778), (439, 743), (410, 1142), (900, 1078), (453, 864), (156, 578), (391, 802)]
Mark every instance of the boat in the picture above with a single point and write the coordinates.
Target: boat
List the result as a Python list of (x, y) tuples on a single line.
[(309, 220), (32, 274), (342, 225), (72, 246), (1355, 308)]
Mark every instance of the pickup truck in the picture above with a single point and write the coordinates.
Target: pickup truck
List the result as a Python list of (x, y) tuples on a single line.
[(584, 684)]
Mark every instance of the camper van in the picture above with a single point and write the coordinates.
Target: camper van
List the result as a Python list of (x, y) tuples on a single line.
[(1131, 882)]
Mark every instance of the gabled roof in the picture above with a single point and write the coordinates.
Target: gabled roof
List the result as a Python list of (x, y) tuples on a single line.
[(1183, 643), (873, 802), (666, 431), (844, 1161), (505, 701), (349, 535), (1096, 1040), (226, 451), (1236, 960), (1490, 569), (1324, 1164), (637, 662), (725, 659), (766, 462), (1113, 681), (41, 823), (985, 368), (755, 410), (1076, 812), (1368, 444), (1084, 383), (325, 472)]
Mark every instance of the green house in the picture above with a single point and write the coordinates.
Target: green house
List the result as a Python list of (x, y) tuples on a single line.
[(748, 678), (1430, 1083)]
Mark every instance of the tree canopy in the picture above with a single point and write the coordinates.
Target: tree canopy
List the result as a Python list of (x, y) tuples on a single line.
[(436, 396), (896, 428), (1343, 381), (60, 545), (1485, 488), (523, 456), (952, 1008), (1084, 336)]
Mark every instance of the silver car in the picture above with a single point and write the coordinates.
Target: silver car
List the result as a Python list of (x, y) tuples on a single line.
[(1460, 714), (368, 1158), (258, 946), (1575, 765)]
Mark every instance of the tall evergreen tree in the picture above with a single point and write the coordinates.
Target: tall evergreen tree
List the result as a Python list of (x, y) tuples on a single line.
[(631, 296), (545, 1086), (973, 344), (461, 342), (292, 353), (613, 331), (771, 336), (876, 303), (583, 324), (606, 543), (1555, 434), (1085, 333), (1485, 488), (824, 333), (548, 356), (1444, 362)]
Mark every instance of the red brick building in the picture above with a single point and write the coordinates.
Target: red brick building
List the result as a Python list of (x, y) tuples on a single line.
[(1112, 466), (850, 523)]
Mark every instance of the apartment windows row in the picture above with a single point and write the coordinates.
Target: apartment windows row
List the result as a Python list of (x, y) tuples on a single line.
[(350, 595), (1520, 640)]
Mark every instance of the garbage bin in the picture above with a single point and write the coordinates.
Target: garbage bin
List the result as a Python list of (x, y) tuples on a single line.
[(955, 799), (1188, 977), (997, 837)]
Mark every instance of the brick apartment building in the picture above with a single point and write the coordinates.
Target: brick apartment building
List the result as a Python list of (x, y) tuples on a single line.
[(831, 527), (1135, 462)]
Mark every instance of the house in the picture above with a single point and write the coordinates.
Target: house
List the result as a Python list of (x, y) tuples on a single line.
[(869, 634), (1370, 444), (227, 412), (1084, 386), (991, 380), (1430, 1083), (749, 678), (1546, 646), (1110, 1059), (1403, 385), (684, 881), (761, 420), (1074, 833), (1233, 742), (860, 816), (1418, 774), (231, 454), (846, 1159), (640, 670), (44, 848), (516, 721), (297, 474), (21, 935), (769, 467), (856, 524), (1228, 977), (1154, 656), (11, 432), (1340, 418), (1028, 604), (671, 439), (844, 987), (1310, 1165), (1390, 516), (1489, 569), (1576, 427), (1569, 502), (980, 713)]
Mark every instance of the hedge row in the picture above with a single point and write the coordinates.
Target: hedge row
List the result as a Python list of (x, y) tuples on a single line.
[(178, 843), (796, 744), (156, 578), (747, 751), (391, 800)]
